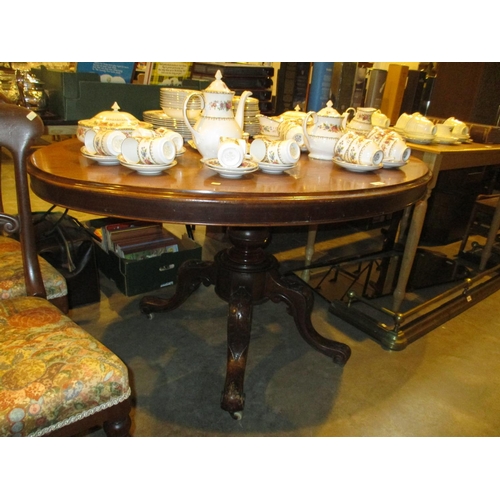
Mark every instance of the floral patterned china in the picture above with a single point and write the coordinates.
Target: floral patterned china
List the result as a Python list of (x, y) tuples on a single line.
[(100, 159)]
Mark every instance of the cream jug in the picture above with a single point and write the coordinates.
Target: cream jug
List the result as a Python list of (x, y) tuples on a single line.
[(217, 119), (362, 121)]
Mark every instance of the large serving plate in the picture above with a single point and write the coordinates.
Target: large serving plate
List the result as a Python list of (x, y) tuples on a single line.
[(354, 167), (143, 169), (100, 159)]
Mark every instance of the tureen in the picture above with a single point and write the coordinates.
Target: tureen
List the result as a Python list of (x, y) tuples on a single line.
[(111, 120)]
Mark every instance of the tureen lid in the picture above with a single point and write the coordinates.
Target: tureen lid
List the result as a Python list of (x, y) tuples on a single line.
[(329, 110), (114, 118), (296, 113), (218, 85)]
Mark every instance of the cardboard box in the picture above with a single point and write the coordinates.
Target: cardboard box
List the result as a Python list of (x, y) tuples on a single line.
[(133, 277)]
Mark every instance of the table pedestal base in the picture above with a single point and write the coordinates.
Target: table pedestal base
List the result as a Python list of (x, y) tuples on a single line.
[(245, 275)]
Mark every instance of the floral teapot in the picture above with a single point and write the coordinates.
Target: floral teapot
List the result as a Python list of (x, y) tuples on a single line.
[(217, 119), (322, 134)]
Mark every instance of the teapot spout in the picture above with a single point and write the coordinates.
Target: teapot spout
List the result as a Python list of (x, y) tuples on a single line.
[(240, 112)]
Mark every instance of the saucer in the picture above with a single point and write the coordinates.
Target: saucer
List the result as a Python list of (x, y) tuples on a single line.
[(181, 151), (354, 167), (100, 159), (144, 169), (272, 168), (393, 164), (247, 167), (446, 140), (419, 139)]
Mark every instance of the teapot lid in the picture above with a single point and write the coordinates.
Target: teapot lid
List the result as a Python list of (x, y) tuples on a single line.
[(218, 85), (329, 110)]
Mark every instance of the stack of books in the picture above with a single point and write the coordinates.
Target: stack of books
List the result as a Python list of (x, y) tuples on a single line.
[(136, 240)]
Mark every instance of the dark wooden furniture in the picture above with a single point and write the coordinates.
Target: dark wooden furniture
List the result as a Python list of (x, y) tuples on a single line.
[(489, 207), (30, 325), (244, 275), (469, 91)]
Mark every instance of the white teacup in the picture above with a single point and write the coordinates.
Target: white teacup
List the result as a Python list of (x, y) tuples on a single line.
[(156, 150), (391, 143), (172, 135), (460, 130), (275, 152), (403, 120), (104, 142), (148, 150), (380, 120), (419, 125), (444, 131), (363, 151), (142, 132), (291, 130), (395, 149), (342, 146), (231, 152)]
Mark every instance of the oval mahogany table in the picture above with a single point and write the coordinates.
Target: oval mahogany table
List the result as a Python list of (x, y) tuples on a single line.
[(244, 275)]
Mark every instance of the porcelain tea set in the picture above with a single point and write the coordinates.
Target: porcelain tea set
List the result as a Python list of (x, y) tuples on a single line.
[(219, 138), (359, 139), (113, 138), (420, 130)]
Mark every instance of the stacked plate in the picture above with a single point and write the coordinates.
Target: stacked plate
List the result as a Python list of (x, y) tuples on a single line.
[(158, 118), (251, 123), (172, 103)]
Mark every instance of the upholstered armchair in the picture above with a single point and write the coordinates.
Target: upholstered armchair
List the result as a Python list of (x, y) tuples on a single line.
[(55, 378), (18, 138)]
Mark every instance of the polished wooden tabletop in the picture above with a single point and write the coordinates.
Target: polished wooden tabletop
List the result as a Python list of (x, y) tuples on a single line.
[(312, 192), (455, 156)]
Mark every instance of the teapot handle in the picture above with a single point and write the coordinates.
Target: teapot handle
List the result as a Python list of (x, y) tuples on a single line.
[(184, 109), (346, 120), (314, 116)]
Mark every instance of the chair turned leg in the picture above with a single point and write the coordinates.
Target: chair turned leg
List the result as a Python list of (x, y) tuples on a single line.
[(118, 428)]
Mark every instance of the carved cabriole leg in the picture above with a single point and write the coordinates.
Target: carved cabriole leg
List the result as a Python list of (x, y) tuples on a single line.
[(191, 275), (244, 276), (239, 325), (300, 301)]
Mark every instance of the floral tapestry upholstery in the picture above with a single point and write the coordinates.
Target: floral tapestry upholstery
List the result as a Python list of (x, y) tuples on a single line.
[(12, 273), (52, 372)]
